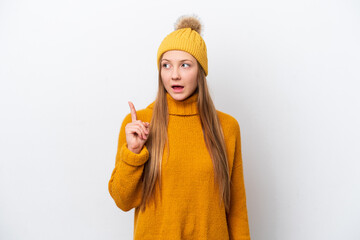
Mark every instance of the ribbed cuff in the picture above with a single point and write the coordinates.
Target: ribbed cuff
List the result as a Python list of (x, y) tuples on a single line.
[(132, 158)]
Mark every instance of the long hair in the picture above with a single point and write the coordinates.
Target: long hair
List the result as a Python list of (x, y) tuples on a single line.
[(213, 136)]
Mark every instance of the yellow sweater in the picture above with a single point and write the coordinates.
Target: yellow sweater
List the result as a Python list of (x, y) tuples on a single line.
[(189, 207)]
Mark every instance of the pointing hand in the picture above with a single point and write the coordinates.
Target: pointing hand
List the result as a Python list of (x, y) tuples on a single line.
[(136, 131)]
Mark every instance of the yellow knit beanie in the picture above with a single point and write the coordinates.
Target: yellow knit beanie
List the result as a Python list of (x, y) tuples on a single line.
[(186, 37)]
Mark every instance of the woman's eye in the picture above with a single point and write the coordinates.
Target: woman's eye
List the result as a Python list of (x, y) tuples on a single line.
[(185, 65), (165, 65)]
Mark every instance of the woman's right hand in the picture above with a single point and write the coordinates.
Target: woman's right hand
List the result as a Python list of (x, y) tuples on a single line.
[(136, 132)]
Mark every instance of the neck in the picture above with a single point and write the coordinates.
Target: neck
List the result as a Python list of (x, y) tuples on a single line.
[(185, 107)]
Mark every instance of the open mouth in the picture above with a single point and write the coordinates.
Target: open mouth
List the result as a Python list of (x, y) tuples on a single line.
[(177, 87)]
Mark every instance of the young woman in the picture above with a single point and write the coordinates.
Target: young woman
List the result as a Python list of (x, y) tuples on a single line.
[(179, 160)]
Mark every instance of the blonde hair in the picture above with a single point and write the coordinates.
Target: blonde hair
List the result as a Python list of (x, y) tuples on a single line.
[(213, 136)]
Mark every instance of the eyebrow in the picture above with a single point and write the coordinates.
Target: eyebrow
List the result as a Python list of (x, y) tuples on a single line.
[(164, 59)]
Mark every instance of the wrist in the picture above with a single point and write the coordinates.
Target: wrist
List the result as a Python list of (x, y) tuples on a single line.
[(135, 150)]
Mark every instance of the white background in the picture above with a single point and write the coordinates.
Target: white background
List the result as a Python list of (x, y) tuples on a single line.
[(288, 71)]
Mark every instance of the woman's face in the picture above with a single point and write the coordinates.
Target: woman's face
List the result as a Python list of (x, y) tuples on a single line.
[(178, 71)]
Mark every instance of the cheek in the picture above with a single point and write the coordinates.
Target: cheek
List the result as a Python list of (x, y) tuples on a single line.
[(165, 79), (165, 75), (194, 79)]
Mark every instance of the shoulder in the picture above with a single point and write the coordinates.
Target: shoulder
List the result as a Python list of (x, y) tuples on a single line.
[(231, 132), (227, 120), (228, 123)]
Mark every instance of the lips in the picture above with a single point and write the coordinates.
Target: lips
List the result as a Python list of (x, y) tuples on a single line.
[(177, 88)]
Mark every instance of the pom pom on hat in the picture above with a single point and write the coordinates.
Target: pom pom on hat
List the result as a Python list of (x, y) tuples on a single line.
[(186, 37), (188, 22)]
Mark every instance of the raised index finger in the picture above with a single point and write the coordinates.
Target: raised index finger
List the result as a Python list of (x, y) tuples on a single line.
[(132, 111)]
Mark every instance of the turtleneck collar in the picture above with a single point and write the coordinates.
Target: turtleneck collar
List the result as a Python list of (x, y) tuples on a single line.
[(183, 108)]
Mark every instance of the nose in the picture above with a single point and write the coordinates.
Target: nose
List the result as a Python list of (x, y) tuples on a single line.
[(175, 74)]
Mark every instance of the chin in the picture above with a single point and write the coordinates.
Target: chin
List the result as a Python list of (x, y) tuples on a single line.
[(179, 97)]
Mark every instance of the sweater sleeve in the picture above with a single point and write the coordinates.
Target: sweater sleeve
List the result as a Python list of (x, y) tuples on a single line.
[(237, 217), (125, 185)]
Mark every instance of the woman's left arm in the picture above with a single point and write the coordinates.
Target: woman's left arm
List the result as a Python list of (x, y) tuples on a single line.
[(237, 217)]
